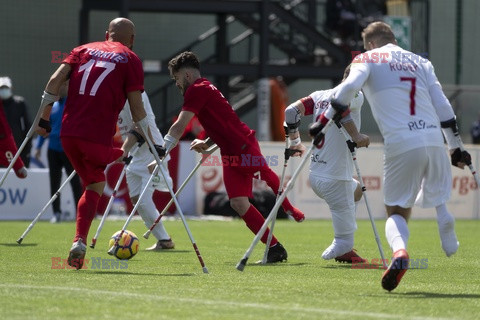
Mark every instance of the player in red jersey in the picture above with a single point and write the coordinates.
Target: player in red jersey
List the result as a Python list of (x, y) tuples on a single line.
[(103, 75), (236, 140), (8, 148)]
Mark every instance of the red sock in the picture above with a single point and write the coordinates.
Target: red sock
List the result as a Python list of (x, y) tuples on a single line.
[(86, 209), (273, 182), (254, 221)]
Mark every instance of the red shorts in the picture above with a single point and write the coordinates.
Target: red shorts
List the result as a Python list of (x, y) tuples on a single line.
[(8, 149), (238, 174), (89, 159)]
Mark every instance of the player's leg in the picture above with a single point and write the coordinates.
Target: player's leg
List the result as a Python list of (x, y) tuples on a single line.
[(136, 181), (55, 174), (75, 183), (89, 160), (239, 188), (272, 180), (339, 197), (403, 175), (435, 192)]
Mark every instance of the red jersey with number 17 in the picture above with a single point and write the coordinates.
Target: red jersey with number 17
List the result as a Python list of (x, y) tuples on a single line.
[(102, 75), (217, 117)]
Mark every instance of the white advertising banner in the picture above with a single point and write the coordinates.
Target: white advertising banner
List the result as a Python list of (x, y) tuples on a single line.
[(23, 199), (464, 202)]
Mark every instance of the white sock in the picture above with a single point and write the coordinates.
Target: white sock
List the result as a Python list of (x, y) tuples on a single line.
[(340, 245), (149, 213), (397, 233), (446, 229)]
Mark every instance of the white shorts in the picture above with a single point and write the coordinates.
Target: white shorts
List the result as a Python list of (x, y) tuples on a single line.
[(421, 176), (339, 196), (137, 179)]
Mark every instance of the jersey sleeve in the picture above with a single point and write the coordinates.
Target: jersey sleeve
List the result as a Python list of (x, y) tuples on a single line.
[(134, 74), (442, 106), (309, 104), (73, 58), (359, 73)]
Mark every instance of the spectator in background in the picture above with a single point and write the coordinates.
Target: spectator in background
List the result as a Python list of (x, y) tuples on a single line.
[(475, 131), (15, 110), (57, 159)]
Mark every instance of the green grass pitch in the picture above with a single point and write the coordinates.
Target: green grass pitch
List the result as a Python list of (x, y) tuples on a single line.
[(171, 284)]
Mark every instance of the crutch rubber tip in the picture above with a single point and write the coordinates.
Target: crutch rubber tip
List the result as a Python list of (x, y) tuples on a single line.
[(241, 265), (205, 270), (19, 241), (111, 251), (146, 234)]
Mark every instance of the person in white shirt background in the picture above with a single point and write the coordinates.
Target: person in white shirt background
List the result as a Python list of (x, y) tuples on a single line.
[(141, 168)]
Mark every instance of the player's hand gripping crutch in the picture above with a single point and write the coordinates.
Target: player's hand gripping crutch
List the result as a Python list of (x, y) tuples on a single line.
[(352, 146), (53, 198), (47, 99), (287, 154), (205, 155), (466, 158), (242, 263), (114, 194), (144, 126)]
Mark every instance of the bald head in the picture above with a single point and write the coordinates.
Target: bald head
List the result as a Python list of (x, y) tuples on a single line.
[(121, 30)]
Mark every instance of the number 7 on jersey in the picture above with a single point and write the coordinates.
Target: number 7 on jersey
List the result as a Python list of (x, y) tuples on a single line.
[(412, 92)]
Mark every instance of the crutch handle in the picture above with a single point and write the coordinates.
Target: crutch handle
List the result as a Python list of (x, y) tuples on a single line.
[(210, 149)]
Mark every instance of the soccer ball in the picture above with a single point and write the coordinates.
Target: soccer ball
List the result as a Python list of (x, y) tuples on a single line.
[(127, 246)]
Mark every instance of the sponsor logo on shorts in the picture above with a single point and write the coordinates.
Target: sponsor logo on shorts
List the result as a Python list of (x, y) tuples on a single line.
[(94, 263)]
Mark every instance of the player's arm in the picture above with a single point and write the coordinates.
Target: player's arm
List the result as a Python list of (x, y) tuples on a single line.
[(139, 116), (356, 79), (293, 114), (360, 139), (448, 122), (176, 130), (347, 122), (50, 95)]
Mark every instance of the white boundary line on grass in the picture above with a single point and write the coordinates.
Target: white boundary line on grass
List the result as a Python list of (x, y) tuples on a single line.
[(294, 307)]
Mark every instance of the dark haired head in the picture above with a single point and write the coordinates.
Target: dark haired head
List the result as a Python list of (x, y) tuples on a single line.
[(185, 59)]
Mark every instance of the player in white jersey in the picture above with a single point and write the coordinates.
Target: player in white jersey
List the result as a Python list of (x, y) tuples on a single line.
[(331, 175), (140, 169), (411, 111)]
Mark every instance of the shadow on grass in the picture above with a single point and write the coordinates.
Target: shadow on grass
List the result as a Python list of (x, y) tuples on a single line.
[(166, 251), (278, 264), (19, 245), (429, 295), (337, 266), (126, 273)]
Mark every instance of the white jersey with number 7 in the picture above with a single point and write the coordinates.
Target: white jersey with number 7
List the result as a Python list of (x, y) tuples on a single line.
[(404, 94)]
